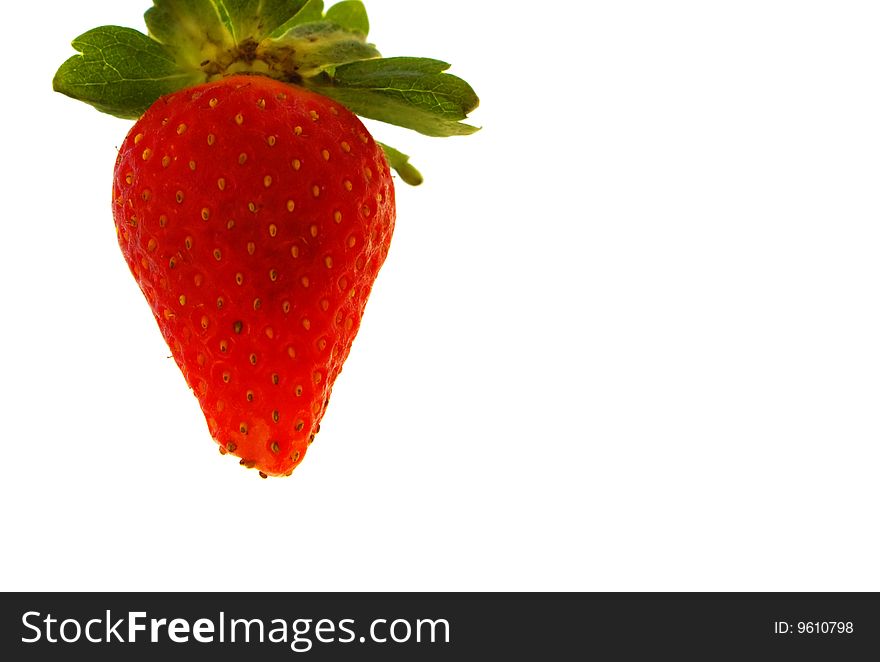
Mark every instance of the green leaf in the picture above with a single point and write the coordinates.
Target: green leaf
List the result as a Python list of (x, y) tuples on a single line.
[(255, 19), (314, 47), (313, 10), (351, 15), (120, 71), (414, 93), (400, 163), (404, 66), (192, 29)]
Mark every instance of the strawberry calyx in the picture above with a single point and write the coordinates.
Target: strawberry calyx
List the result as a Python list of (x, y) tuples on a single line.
[(121, 71), (234, 39)]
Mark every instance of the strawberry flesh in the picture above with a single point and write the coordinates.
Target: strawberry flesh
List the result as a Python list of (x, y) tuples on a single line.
[(255, 217)]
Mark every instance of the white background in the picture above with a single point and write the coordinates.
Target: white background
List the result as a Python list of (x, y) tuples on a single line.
[(627, 337)]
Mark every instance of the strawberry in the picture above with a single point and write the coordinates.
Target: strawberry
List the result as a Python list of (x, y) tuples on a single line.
[(252, 206), (255, 217)]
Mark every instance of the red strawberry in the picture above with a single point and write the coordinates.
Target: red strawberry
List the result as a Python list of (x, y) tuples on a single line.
[(255, 217), (251, 205)]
